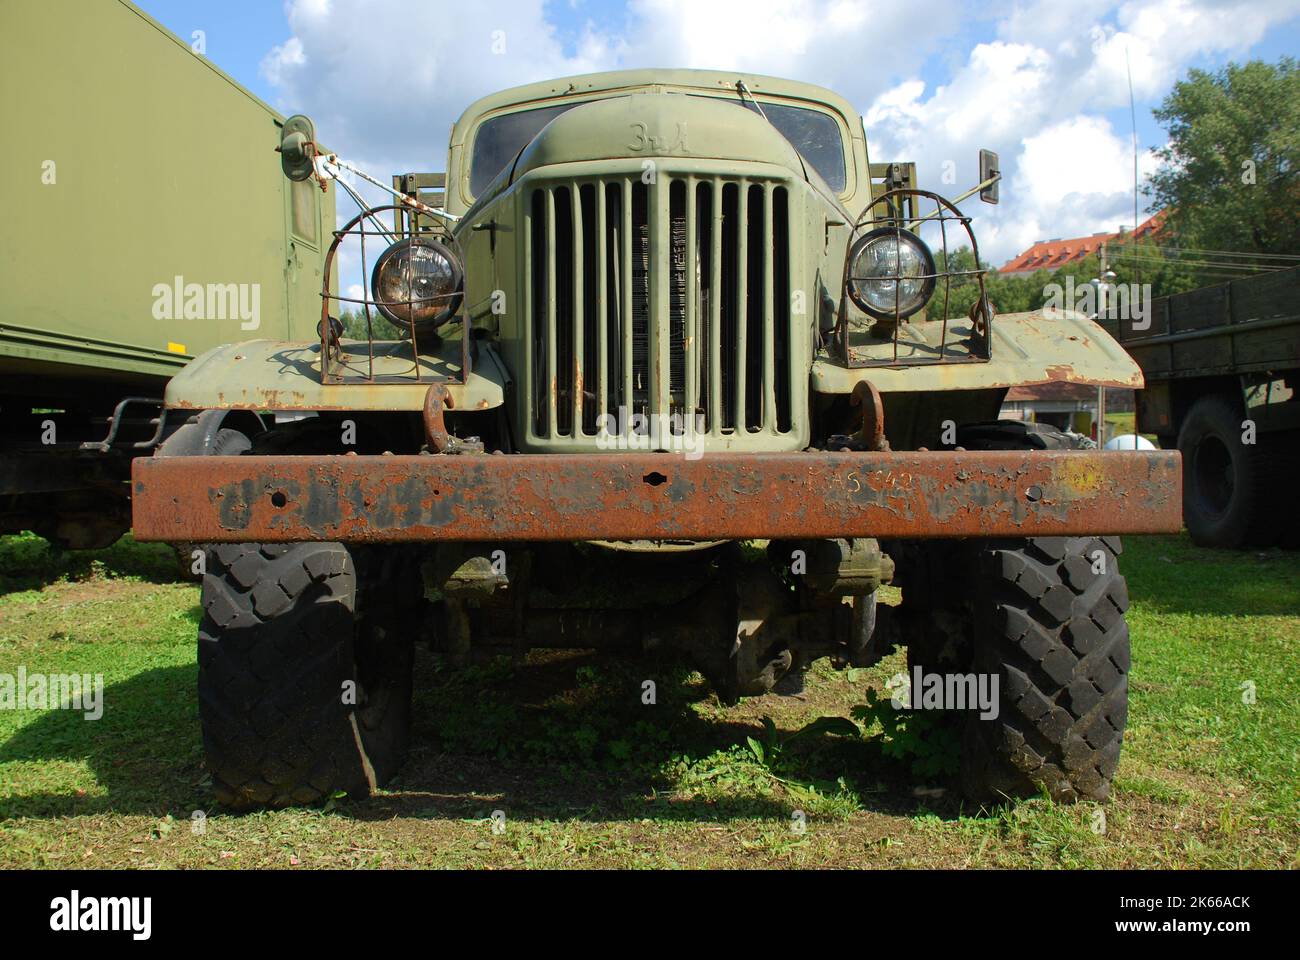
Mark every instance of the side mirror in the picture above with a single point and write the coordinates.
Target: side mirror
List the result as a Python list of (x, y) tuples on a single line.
[(989, 170), (297, 146)]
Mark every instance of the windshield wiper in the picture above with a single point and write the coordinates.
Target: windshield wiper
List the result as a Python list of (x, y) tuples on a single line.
[(744, 92)]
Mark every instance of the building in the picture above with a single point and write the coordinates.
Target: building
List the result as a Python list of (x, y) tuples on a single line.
[(1067, 406), (1053, 254)]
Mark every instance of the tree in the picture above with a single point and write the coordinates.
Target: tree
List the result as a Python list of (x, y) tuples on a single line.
[(354, 325), (1230, 178)]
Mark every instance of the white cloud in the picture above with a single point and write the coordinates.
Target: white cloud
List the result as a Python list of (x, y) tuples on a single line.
[(283, 60), (1073, 179), (850, 46), (1038, 95), (385, 79)]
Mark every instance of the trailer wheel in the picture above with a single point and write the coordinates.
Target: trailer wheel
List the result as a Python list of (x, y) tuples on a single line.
[(301, 693), (1225, 481)]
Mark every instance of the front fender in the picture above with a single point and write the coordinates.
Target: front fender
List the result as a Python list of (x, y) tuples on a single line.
[(285, 375), (1041, 346)]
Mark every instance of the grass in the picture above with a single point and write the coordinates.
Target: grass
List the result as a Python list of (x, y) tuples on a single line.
[(585, 774)]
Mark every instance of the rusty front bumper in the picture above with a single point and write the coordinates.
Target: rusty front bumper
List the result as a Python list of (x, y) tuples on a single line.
[(655, 496)]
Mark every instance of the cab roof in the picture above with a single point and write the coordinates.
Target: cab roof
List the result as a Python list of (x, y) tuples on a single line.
[(711, 81)]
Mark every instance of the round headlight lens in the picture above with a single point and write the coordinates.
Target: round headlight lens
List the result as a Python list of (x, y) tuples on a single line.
[(417, 280), (891, 273)]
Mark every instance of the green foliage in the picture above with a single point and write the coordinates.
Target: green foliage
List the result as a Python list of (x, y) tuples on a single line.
[(1147, 261), (769, 750), (1008, 294), (1225, 129), (1144, 262), (475, 716), (926, 741), (354, 326)]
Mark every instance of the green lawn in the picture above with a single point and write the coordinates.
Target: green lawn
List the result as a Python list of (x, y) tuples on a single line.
[(586, 775)]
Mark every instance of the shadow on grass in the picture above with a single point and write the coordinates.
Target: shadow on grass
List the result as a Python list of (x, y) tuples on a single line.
[(29, 562), (568, 736), (144, 753), (564, 738)]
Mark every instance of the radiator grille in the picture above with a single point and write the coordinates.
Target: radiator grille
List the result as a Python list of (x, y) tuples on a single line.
[(670, 298)]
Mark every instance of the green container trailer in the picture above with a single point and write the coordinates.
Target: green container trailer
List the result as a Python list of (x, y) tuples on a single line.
[(146, 223)]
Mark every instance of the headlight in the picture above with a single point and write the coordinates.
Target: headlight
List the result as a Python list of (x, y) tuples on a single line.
[(891, 273), (417, 280)]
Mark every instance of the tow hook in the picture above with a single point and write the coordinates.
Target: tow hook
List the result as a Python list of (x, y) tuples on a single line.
[(437, 400)]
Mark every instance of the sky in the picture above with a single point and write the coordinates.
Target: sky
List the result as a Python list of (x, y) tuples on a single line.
[(1043, 82)]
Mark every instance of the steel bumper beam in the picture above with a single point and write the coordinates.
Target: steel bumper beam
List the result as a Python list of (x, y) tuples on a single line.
[(655, 496)]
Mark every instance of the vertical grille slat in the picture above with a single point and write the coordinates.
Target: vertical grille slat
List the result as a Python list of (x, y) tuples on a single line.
[(551, 252), (781, 318), (741, 338), (730, 295), (769, 311), (535, 257), (690, 295), (567, 292), (676, 339), (664, 298), (703, 244), (575, 312), (602, 309), (660, 319), (586, 319), (755, 311), (715, 312), (626, 336), (641, 370)]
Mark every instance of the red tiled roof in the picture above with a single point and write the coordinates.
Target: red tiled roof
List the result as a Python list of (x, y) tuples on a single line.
[(1051, 254)]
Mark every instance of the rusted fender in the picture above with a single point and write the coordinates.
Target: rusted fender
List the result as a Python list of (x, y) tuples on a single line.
[(656, 496), (1041, 346)]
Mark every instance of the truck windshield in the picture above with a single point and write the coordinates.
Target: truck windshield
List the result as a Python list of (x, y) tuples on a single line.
[(814, 134)]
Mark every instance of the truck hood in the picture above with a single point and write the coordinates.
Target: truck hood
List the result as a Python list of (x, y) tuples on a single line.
[(659, 126)]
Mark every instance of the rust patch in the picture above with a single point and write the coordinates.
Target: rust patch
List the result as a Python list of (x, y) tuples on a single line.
[(656, 496)]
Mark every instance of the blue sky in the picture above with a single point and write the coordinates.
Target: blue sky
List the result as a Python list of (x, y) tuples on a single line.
[(1042, 81)]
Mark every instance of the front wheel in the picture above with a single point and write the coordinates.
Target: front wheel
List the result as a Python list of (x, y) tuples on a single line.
[(303, 691), (1044, 618)]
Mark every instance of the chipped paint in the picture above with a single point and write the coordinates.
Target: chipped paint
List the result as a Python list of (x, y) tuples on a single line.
[(1028, 348), (656, 496), (282, 375)]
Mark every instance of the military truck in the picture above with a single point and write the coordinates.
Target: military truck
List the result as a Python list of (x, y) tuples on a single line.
[(674, 374), (144, 226), (1222, 369)]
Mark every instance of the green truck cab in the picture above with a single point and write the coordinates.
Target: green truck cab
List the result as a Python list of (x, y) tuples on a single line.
[(644, 318)]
